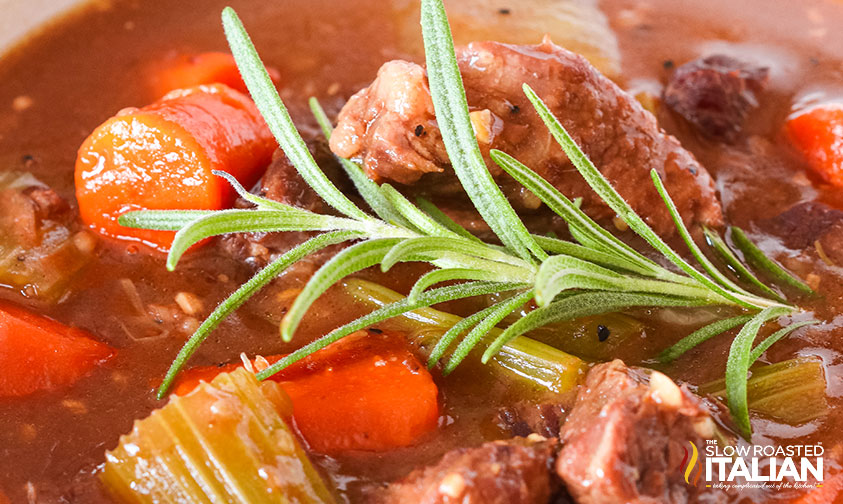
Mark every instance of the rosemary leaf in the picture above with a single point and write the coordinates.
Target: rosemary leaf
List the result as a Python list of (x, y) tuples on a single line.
[(612, 261), (719, 246), (243, 293), (501, 311), (275, 114), (754, 255), (417, 219), (450, 274), (571, 213), (583, 305), (164, 220), (244, 221), (700, 335), (561, 272), (260, 202), (776, 336), (524, 360), (434, 247), (451, 109), (590, 241), (737, 366), (367, 187), (447, 339), (712, 271), (440, 217), (351, 260)]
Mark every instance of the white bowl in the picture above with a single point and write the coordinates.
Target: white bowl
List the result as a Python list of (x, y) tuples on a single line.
[(19, 17)]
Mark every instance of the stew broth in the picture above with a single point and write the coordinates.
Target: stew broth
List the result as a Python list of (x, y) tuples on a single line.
[(83, 68)]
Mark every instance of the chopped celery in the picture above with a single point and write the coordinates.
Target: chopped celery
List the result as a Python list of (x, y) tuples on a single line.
[(46, 268), (594, 338), (792, 391), (45, 262), (224, 442), (600, 338), (539, 365)]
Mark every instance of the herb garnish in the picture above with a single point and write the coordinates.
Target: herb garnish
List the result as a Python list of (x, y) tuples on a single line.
[(596, 274)]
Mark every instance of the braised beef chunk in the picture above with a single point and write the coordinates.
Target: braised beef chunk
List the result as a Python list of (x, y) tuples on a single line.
[(626, 436), (281, 182), (831, 245), (516, 471), (390, 127), (812, 225), (716, 94), (527, 417), (802, 224)]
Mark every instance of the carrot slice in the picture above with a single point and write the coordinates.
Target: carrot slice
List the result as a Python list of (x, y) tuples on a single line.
[(365, 392), (161, 157), (206, 68), (818, 134), (38, 353)]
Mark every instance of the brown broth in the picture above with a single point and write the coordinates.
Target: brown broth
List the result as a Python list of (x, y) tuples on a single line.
[(84, 68)]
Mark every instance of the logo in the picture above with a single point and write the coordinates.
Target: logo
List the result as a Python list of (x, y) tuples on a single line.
[(688, 466), (753, 466)]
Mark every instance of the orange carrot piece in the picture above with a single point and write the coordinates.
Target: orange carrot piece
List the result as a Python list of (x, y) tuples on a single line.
[(161, 157), (38, 353), (818, 134), (205, 68), (830, 491), (365, 392)]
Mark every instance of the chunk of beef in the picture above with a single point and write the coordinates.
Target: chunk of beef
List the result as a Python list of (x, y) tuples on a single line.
[(812, 225), (516, 471), (716, 94), (831, 244), (390, 127), (626, 437), (802, 224), (526, 417), (281, 182)]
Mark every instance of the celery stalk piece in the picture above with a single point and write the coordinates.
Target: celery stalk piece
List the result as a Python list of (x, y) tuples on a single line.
[(581, 337), (540, 366), (226, 441), (791, 391), (48, 263)]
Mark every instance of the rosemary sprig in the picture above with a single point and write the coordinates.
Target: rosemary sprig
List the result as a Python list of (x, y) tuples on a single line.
[(755, 256), (452, 117), (719, 245), (596, 274), (737, 367)]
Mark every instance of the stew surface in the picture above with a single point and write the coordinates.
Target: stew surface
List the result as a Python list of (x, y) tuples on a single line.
[(67, 79)]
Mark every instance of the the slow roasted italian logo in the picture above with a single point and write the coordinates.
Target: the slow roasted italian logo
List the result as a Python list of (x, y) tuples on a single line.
[(753, 466)]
